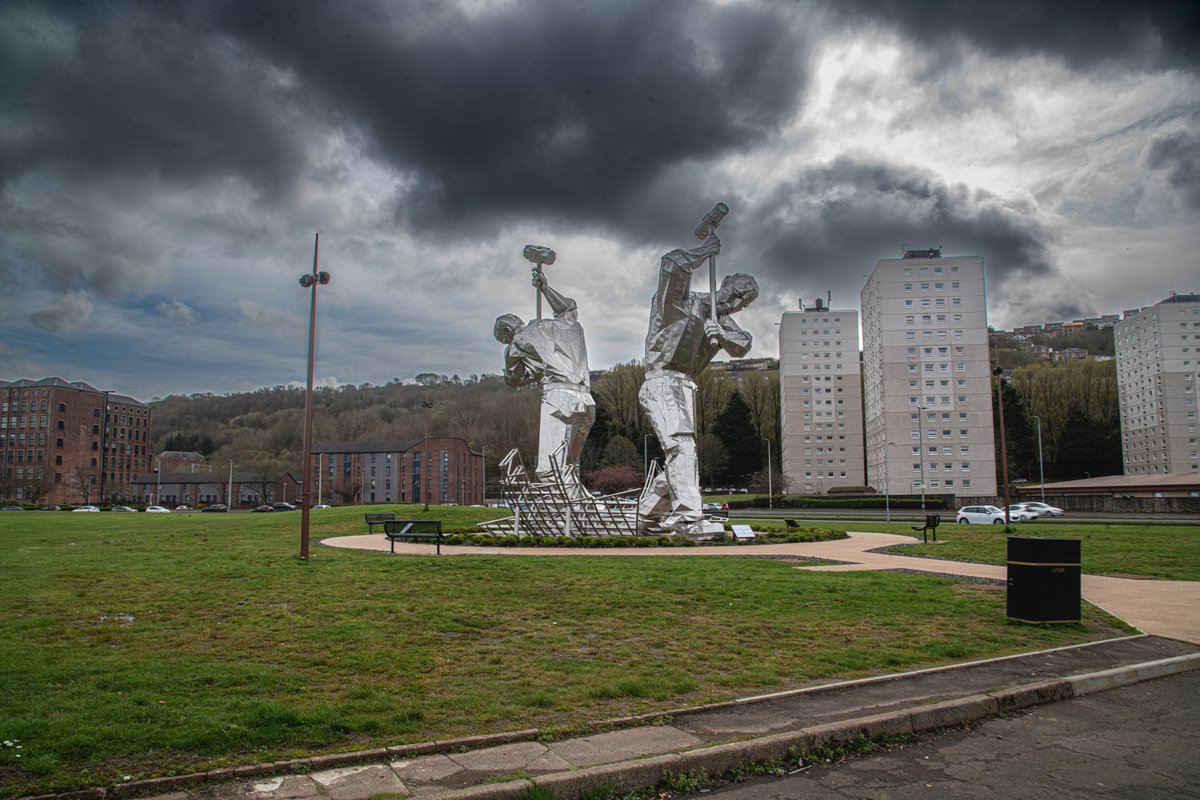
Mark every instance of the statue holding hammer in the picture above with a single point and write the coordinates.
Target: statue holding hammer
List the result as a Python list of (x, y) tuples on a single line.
[(551, 352), (687, 329)]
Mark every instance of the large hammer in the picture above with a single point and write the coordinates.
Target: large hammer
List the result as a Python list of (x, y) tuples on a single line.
[(711, 220), (539, 256)]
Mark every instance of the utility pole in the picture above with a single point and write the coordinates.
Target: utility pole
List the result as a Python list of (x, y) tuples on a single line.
[(997, 371), (309, 280)]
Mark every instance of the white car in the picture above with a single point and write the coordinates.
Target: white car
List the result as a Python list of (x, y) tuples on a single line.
[(87, 508), (980, 515), (157, 510), (1017, 512), (1042, 509)]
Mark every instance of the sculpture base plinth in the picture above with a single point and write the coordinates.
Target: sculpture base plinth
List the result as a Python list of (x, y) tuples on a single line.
[(704, 530)]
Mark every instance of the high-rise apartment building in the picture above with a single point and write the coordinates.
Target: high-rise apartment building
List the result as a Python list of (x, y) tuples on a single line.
[(820, 399), (1158, 360), (927, 376), (68, 442)]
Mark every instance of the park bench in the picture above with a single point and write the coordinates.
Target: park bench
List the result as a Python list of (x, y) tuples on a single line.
[(379, 519), (931, 524), (396, 529)]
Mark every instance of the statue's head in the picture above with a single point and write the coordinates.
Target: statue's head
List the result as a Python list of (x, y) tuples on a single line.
[(737, 291), (507, 326)]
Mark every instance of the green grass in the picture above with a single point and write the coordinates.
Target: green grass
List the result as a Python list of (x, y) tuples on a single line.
[(147, 645), (1151, 551)]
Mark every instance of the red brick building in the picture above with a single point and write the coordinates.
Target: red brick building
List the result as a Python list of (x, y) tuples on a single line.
[(433, 471), (68, 442)]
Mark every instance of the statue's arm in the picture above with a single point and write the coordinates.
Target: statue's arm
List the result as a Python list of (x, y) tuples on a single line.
[(732, 339), (515, 370), (677, 266), (559, 303)]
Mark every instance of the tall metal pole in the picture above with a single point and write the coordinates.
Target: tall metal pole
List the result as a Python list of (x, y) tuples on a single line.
[(309, 281), (229, 488), (921, 436), (645, 457), (1003, 445), (887, 500), (485, 474), (158, 478), (1041, 464), (320, 476), (770, 490)]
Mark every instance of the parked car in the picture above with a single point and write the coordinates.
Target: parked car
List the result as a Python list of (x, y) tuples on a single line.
[(1042, 509), (281, 506), (263, 508), (715, 507), (12, 508), (123, 508), (1017, 512), (979, 515), (218, 507), (157, 510), (184, 508), (86, 509), (322, 505), (48, 508)]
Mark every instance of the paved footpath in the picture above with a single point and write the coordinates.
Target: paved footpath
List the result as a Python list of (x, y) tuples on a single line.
[(642, 752)]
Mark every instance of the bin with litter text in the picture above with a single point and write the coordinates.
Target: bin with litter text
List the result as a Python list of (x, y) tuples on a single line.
[(1043, 579)]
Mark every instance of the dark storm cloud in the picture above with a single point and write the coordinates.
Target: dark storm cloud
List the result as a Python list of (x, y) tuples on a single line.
[(141, 89), (561, 109), (840, 218), (1178, 155), (1152, 34)]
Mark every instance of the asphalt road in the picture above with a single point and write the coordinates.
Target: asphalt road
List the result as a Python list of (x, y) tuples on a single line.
[(915, 516), (1139, 742)]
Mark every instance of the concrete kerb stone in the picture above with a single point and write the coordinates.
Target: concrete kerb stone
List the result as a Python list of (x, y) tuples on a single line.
[(1125, 676), (954, 712), (1033, 694)]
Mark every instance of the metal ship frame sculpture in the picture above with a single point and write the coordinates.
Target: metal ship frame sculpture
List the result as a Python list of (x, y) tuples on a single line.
[(556, 503)]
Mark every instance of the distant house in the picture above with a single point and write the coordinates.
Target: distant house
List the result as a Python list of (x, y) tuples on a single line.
[(442, 471), (204, 487)]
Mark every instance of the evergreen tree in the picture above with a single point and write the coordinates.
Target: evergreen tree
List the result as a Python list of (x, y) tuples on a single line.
[(735, 428)]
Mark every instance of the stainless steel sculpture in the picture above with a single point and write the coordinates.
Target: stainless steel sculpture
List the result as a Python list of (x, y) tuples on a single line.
[(687, 329), (554, 503), (551, 352)]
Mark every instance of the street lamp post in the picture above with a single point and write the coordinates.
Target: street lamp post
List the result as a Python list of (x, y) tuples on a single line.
[(887, 500), (1041, 464), (158, 478), (770, 490), (310, 280), (999, 372), (229, 488), (921, 439), (485, 474)]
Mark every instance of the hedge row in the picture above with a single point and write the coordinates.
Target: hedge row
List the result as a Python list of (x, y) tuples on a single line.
[(802, 501)]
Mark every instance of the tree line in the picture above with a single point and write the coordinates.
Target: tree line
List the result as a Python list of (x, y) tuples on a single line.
[(262, 431)]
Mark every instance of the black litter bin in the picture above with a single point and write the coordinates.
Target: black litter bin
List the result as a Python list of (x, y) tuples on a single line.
[(1043, 579)]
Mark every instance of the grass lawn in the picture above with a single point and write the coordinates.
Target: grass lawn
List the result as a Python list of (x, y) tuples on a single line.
[(156, 644), (1152, 551)]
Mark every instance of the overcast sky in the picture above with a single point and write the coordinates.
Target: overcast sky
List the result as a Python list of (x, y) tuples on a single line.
[(165, 166)]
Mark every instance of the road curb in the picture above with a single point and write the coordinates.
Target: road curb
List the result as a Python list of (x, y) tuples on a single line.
[(716, 760)]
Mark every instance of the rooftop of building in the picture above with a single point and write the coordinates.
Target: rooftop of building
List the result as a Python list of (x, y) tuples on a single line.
[(51, 382)]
